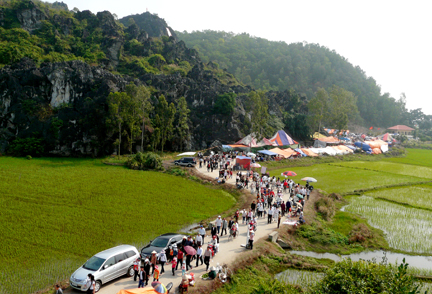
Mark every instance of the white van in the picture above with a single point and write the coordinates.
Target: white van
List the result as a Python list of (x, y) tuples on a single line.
[(105, 266)]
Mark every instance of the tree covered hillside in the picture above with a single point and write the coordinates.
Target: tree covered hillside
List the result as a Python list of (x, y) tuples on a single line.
[(303, 67)]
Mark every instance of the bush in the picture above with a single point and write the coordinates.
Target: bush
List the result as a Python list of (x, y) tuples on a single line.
[(28, 157), (325, 207), (144, 161), (352, 277), (26, 146)]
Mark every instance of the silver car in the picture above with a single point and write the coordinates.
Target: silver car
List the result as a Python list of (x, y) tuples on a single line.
[(105, 266)]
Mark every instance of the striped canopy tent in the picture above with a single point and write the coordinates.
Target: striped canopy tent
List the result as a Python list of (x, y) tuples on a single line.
[(265, 142), (282, 139), (249, 140)]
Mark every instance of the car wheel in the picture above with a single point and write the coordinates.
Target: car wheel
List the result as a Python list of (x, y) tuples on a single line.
[(98, 286), (175, 163), (189, 165), (130, 272)]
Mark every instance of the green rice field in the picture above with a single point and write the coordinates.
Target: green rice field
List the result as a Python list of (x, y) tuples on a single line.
[(391, 167), (337, 179), (56, 213), (420, 157), (419, 196), (408, 229)]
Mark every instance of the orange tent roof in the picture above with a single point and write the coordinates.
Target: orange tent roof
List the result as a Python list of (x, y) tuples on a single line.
[(285, 152), (308, 152), (238, 145), (401, 128), (329, 139)]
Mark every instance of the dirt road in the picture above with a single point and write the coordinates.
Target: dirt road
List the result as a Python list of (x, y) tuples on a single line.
[(229, 250)]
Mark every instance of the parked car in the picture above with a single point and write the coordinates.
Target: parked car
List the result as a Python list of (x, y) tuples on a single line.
[(163, 242), (105, 266), (186, 161)]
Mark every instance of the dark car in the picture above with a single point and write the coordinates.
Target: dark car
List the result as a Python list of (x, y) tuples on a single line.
[(163, 242), (186, 161)]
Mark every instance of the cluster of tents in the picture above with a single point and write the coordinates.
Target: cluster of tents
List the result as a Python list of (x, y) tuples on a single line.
[(282, 145)]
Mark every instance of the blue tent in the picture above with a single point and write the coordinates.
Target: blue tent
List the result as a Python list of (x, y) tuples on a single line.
[(301, 152), (363, 146), (266, 152)]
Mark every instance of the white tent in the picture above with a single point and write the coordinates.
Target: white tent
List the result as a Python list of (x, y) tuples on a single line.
[(187, 154)]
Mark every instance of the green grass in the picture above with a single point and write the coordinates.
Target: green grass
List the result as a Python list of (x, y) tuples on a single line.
[(419, 196), (406, 228), (337, 179), (393, 168), (56, 213), (419, 157)]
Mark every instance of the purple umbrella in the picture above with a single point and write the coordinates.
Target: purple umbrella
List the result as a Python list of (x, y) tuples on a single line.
[(190, 250)]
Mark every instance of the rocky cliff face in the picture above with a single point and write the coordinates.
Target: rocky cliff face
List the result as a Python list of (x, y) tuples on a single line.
[(30, 16), (155, 26)]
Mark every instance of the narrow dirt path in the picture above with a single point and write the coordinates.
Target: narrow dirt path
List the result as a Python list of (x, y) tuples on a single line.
[(229, 250)]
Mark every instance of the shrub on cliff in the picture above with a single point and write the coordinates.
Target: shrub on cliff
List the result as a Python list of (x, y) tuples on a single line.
[(144, 161)]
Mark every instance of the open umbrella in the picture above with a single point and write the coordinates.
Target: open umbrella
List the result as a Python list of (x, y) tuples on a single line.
[(289, 174), (255, 165), (159, 287), (309, 179), (190, 250), (299, 196)]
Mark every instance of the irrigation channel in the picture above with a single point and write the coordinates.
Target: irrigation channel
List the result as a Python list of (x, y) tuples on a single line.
[(418, 261)]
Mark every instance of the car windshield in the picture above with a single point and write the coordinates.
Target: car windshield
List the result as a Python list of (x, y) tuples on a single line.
[(160, 242), (94, 263)]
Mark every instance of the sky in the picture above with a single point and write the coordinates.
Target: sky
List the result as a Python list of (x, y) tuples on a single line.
[(390, 40)]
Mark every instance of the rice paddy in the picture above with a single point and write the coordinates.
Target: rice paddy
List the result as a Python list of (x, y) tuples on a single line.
[(407, 229), (56, 213), (392, 168), (419, 196), (337, 179), (304, 279), (420, 157)]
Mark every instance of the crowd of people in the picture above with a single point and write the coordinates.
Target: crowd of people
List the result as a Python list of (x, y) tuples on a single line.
[(269, 203)]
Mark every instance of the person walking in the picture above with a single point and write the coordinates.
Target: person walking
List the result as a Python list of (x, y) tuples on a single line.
[(142, 278), (162, 260), (153, 260), (198, 239), (174, 265), (156, 274), (218, 224), (199, 256), (251, 238), (279, 219), (224, 226), (207, 257), (136, 268), (269, 215), (188, 261), (283, 207), (180, 259), (202, 232), (91, 284), (58, 290), (147, 269)]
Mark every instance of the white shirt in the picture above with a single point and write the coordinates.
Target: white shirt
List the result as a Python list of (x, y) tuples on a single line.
[(201, 231), (199, 251), (198, 238), (218, 222)]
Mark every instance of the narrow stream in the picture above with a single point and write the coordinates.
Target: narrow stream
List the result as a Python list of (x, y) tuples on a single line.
[(420, 262)]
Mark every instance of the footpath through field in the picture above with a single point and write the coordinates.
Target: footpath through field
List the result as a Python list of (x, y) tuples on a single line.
[(229, 250)]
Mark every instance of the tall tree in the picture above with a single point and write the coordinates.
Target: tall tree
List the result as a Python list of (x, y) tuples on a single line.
[(343, 107), (182, 126), (258, 104), (166, 113), (117, 113), (141, 97), (318, 109)]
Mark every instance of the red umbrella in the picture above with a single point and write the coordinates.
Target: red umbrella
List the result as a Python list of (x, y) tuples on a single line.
[(289, 174), (190, 250)]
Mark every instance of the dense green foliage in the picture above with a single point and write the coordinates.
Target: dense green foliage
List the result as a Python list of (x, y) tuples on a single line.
[(353, 277), (303, 67), (56, 213), (26, 146), (64, 35), (225, 104), (145, 161)]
